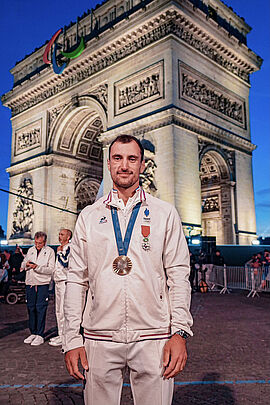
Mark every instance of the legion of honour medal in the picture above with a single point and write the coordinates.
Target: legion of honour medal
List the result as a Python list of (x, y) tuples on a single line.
[(145, 233)]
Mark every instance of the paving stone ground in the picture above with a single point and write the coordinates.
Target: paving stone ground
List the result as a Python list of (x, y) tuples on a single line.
[(228, 357)]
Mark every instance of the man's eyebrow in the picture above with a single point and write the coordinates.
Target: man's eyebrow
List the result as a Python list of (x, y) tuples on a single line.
[(133, 156), (116, 155)]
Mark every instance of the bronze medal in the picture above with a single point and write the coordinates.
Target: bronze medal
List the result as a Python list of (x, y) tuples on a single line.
[(122, 265)]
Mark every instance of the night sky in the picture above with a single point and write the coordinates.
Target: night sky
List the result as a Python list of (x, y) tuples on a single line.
[(27, 24)]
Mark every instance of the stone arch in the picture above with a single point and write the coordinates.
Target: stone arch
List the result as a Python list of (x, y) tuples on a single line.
[(86, 192), (74, 140), (217, 196), (72, 116)]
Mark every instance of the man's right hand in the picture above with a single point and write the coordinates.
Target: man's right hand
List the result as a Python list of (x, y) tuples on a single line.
[(72, 358)]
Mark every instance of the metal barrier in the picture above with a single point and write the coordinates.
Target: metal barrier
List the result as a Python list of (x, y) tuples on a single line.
[(241, 278)]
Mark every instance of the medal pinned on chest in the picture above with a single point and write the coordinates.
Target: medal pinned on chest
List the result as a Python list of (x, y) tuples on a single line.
[(145, 229), (122, 264)]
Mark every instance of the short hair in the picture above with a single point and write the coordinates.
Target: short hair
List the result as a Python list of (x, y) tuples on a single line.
[(68, 231), (127, 139), (41, 235)]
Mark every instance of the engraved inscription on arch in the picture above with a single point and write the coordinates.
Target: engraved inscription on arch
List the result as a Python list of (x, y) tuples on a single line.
[(140, 88)]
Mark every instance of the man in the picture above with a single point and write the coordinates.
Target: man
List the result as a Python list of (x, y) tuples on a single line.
[(15, 264), (60, 277), (218, 259), (39, 265), (138, 291)]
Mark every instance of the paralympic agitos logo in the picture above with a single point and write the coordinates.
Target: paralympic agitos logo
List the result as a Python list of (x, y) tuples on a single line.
[(58, 69)]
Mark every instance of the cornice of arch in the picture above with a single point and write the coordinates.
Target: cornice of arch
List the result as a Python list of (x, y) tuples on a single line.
[(171, 21), (182, 119), (49, 160)]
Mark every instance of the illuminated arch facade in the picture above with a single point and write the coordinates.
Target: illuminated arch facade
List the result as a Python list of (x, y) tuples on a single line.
[(173, 73)]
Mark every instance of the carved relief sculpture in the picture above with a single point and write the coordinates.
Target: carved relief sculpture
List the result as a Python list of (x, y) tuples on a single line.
[(53, 114), (101, 93), (23, 214), (27, 138), (210, 204), (211, 96), (139, 89), (147, 178)]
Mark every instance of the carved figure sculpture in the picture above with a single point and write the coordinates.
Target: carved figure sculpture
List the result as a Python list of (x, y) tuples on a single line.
[(23, 215)]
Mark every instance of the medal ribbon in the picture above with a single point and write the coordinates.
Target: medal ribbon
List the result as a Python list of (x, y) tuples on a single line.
[(122, 246)]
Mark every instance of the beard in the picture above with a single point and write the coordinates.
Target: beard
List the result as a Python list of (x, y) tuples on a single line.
[(125, 182)]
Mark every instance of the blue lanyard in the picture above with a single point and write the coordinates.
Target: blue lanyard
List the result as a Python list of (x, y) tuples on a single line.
[(122, 246)]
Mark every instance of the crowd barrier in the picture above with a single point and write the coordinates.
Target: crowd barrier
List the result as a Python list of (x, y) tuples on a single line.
[(227, 278)]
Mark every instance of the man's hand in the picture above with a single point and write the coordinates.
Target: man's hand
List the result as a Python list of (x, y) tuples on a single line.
[(174, 356), (72, 361)]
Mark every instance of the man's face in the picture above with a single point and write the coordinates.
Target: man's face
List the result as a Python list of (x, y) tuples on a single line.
[(39, 242), (63, 236), (125, 164)]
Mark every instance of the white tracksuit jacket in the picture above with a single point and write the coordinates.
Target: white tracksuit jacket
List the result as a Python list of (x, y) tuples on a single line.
[(42, 274), (153, 300), (61, 262)]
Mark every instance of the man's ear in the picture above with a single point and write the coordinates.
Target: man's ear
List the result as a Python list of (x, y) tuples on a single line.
[(108, 165), (142, 166)]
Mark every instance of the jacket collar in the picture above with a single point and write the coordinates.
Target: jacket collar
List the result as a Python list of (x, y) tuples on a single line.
[(113, 199)]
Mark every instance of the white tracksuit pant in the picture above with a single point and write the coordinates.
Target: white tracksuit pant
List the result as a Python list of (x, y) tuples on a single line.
[(107, 362), (60, 288)]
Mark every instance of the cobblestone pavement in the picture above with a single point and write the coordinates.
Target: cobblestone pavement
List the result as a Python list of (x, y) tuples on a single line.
[(228, 357)]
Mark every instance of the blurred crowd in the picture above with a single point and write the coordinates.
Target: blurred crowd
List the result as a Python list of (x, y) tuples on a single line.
[(10, 265), (260, 263), (200, 268)]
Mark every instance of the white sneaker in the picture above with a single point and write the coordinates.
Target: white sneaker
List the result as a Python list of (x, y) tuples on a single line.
[(37, 341), (29, 339), (57, 341), (54, 338)]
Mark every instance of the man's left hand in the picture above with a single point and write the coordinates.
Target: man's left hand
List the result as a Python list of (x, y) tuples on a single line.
[(174, 356)]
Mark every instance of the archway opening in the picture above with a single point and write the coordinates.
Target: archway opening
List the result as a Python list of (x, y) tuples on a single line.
[(216, 195), (78, 141)]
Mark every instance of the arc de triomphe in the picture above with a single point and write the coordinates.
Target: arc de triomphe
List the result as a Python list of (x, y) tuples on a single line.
[(173, 73)]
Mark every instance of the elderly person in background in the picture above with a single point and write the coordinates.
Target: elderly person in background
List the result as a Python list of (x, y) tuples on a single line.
[(39, 265), (60, 278)]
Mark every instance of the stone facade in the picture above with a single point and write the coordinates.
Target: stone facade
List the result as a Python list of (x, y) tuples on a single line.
[(174, 74)]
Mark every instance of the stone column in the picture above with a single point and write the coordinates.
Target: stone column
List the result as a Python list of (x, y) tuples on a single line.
[(245, 207), (187, 183)]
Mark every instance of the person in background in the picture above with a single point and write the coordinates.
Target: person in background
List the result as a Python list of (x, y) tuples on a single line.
[(265, 270), (39, 265), (192, 271), (4, 282), (218, 259), (60, 278), (16, 260)]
